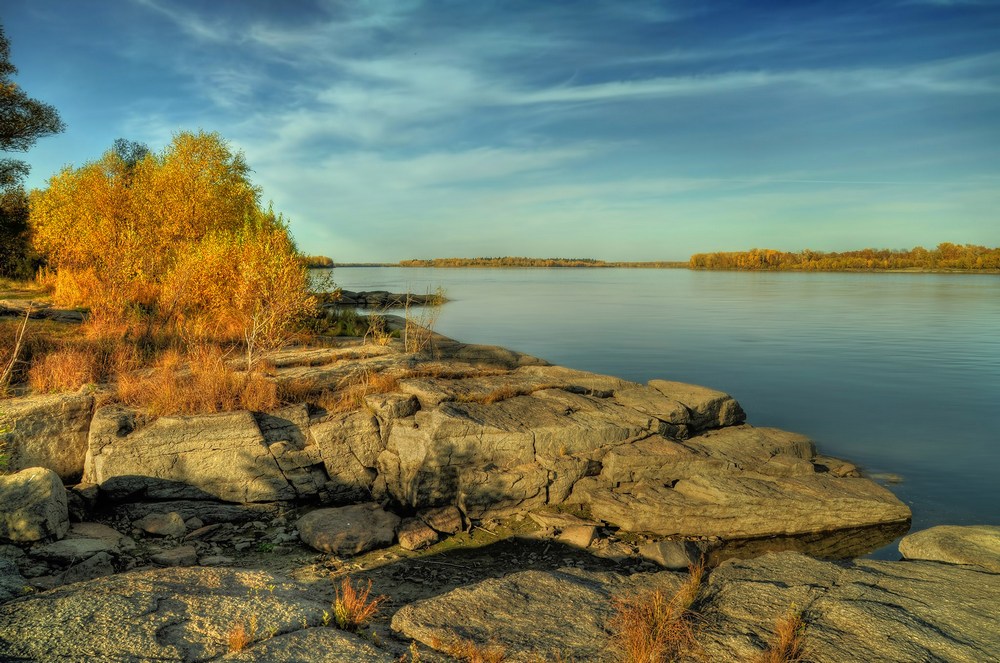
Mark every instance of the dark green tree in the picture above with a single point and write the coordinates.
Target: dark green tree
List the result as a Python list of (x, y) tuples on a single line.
[(23, 120)]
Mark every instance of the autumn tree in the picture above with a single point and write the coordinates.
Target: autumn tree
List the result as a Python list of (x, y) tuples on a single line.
[(23, 120), (176, 239)]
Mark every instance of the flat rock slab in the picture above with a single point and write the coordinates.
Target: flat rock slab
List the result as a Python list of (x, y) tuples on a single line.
[(50, 431), (905, 612), (533, 615), (978, 545), (348, 530), (179, 614)]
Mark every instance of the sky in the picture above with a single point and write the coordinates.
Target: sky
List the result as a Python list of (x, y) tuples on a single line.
[(618, 130)]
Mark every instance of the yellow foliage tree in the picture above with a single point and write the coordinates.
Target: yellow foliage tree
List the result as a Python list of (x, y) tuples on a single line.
[(176, 238)]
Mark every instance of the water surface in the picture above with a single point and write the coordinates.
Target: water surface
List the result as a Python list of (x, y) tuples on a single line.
[(899, 373)]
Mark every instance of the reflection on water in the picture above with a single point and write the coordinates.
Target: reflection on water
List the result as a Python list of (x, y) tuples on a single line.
[(899, 373)]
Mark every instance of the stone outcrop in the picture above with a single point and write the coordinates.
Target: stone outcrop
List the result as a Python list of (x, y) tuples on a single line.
[(976, 545), (177, 614), (33, 506), (49, 431), (863, 611)]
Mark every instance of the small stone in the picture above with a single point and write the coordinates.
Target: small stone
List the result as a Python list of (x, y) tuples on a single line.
[(203, 531), (673, 555), (414, 534), (162, 524), (97, 566), (215, 560), (348, 530), (194, 523), (579, 536), (181, 556), (446, 519)]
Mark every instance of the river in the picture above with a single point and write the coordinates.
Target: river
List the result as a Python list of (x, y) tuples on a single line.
[(899, 373)]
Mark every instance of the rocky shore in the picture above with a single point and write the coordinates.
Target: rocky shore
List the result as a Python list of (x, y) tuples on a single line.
[(493, 498)]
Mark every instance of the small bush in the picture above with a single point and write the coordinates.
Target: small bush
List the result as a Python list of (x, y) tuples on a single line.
[(354, 607), (238, 638)]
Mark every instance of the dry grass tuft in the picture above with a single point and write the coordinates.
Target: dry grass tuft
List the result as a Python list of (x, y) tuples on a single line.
[(787, 645), (200, 383), (650, 626), (469, 651), (354, 607), (238, 638), (351, 394), (67, 369)]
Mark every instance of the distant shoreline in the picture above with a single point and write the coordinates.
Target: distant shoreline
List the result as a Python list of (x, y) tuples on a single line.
[(681, 265)]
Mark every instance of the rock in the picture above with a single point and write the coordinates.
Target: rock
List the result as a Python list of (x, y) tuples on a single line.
[(72, 551), (215, 560), (286, 432), (221, 456), (735, 506), (414, 534), (12, 584), (977, 545), (50, 431), (578, 536), (34, 506), (315, 645), (709, 408), (162, 524), (180, 556), (861, 611), (96, 566), (348, 530), (176, 614), (533, 615), (558, 520), (485, 355), (81, 500), (676, 555), (349, 445), (446, 519), (207, 511), (117, 541)]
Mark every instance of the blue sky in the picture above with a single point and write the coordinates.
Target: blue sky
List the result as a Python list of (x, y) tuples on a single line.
[(396, 129)]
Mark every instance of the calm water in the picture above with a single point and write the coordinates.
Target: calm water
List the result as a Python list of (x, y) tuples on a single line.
[(899, 373)]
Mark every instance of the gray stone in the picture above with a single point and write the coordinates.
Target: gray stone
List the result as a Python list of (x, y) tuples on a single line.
[(977, 545), (162, 524), (349, 445), (180, 556), (72, 551), (176, 614), (312, 645), (221, 456), (207, 511), (531, 614), (445, 519), (96, 566), (50, 431), (34, 506), (11, 583), (861, 611), (215, 560), (578, 536), (414, 534), (348, 530), (676, 555), (709, 408)]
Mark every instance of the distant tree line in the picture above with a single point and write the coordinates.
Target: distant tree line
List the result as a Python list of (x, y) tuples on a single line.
[(317, 262), (508, 261), (946, 256)]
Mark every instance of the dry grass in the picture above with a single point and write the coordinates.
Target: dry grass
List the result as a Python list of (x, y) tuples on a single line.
[(199, 383), (503, 393), (650, 627), (66, 369), (787, 645), (238, 638), (469, 651), (354, 607), (350, 395)]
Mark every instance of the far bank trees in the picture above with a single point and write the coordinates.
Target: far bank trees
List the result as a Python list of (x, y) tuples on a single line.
[(175, 241)]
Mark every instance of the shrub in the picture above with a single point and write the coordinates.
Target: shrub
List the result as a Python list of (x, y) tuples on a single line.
[(67, 369), (354, 607), (787, 645)]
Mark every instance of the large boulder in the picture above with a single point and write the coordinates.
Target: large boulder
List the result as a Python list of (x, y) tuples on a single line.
[(977, 545), (49, 431), (34, 506), (348, 530), (176, 614)]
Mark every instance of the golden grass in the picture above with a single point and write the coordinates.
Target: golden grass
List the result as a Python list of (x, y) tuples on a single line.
[(238, 638), (469, 651), (503, 393), (354, 607), (199, 383), (788, 643), (650, 626), (67, 369)]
